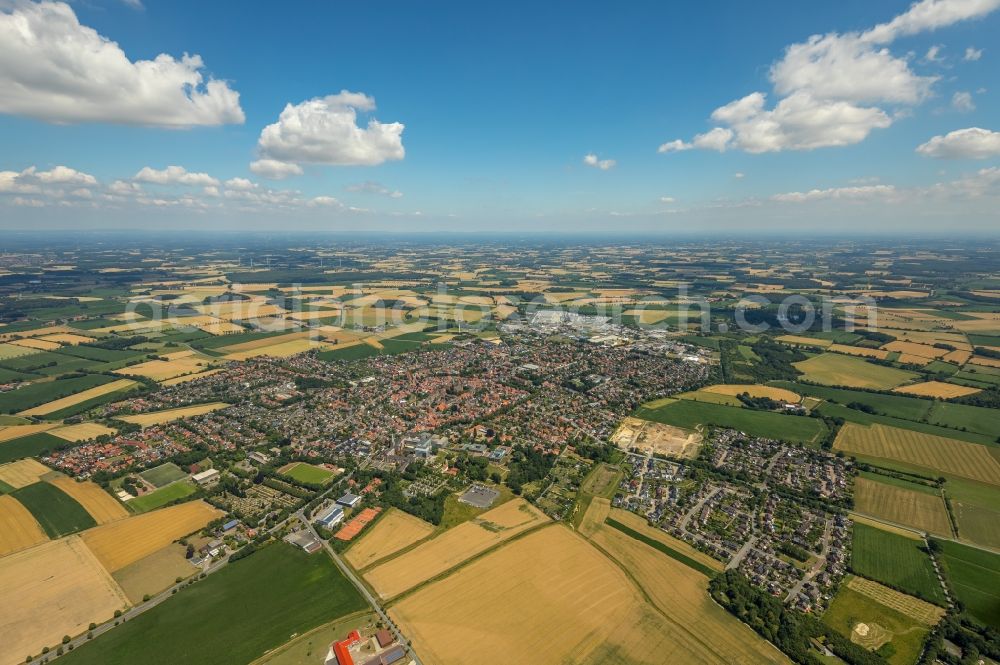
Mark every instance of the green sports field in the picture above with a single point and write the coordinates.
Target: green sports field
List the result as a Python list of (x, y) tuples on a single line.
[(233, 616), (896, 561), (308, 473), (690, 414), (161, 497), (57, 512), (163, 474)]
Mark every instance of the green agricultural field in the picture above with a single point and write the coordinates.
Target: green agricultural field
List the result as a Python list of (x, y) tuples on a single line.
[(354, 352), (233, 616), (895, 406), (308, 473), (690, 414), (57, 512), (831, 410), (29, 446), (662, 547), (9, 351), (30, 361), (896, 561), (849, 608), (100, 355), (914, 486), (9, 376), (834, 369), (974, 576), (163, 474), (161, 497), (34, 394), (86, 405), (959, 416)]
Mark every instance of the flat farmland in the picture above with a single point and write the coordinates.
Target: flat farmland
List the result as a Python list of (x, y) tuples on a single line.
[(161, 370), (453, 547), (57, 512), (920, 510), (18, 528), (54, 589), (896, 560), (869, 623), (974, 574), (165, 416), (8, 350), (937, 389), (77, 398), (233, 616), (154, 573), (26, 446), (771, 392), (834, 369), (642, 527), (394, 532), (262, 342), (23, 473), (703, 630), (936, 453), (17, 431), (282, 350), (27, 397), (924, 612), (977, 523), (102, 506), (691, 415), (81, 431), (548, 598), (121, 543)]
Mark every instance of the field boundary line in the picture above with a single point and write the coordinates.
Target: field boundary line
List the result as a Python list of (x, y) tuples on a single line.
[(445, 573)]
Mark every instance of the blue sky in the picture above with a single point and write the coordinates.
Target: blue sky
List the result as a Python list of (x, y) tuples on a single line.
[(501, 105)]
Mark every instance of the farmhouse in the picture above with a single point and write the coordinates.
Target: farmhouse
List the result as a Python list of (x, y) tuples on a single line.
[(349, 500), (340, 652), (207, 477)]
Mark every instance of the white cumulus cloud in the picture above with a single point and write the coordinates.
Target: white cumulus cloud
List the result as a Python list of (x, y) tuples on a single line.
[(593, 161), (862, 193), (973, 54), (272, 169), (174, 175), (371, 187), (325, 130), (970, 143), (834, 89), (53, 68), (962, 102)]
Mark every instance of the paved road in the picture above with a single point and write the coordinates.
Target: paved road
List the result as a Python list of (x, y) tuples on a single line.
[(815, 569), (349, 574)]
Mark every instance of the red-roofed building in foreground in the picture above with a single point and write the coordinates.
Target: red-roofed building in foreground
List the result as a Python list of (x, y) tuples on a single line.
[(339, 653)]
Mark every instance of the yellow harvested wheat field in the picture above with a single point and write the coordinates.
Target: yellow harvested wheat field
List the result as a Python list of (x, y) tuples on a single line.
[(548, 598), (265, 341), (912, 508), (914, 608), (23, 473), (160, 370), (969, 460), (17, 431), (39, 344), (102, 506), (120, 543), (703, 631), (937, 389), (83, 396), (82, 431), (165, 416), (395, 531), (67, 338), (880, 354), (154, 573), (915, 349), (637, 523), (779, 394), (453, 547), (804, 341), (18, 528), (282, 350), (189, 377), (54, 589)]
